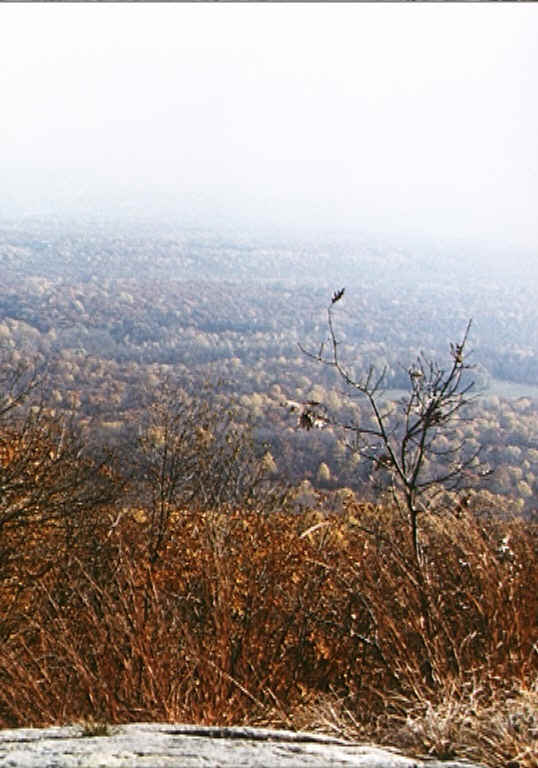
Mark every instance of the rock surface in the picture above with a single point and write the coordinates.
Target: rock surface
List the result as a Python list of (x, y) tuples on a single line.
[(188, 746)]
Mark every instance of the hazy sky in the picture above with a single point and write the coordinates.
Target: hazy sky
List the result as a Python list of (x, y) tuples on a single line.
[(389, 117)]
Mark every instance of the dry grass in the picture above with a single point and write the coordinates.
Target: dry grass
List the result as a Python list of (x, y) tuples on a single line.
[(245, 618), (500, 729), (91, 729)]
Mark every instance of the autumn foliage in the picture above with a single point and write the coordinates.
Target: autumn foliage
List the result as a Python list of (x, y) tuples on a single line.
[(172, 582), (267, 615)]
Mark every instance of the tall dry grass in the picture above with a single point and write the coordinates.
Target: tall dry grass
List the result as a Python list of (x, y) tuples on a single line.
[(299, 620)]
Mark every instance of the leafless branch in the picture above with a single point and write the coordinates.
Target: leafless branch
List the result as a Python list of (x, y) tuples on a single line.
[(402, 441)]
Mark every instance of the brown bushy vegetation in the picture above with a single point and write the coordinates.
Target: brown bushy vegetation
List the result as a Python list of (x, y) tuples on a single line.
[(177, 581), (266, 616)]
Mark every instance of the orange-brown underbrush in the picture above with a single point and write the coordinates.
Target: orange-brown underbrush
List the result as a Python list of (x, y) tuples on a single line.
[(307, 620)]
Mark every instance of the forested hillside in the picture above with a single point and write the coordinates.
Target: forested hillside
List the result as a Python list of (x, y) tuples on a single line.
[(113, 308)]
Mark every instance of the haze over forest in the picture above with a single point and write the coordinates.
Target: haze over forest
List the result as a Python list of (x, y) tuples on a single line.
[(184, 187)]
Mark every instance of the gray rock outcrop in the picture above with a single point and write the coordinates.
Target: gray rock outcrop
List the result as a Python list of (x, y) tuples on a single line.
[(160, 745)]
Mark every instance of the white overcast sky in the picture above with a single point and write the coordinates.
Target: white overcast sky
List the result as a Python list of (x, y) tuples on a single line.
[(389, 117)]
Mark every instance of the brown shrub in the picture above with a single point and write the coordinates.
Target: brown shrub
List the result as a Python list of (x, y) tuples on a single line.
[(322, 622)]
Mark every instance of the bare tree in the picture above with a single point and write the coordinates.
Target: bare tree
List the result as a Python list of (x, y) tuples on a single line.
[(401, 439), (191, 451), (47, 470), (56, 490)]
